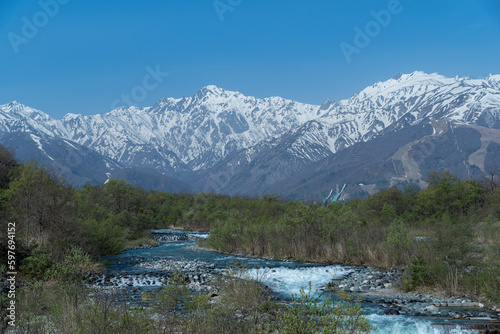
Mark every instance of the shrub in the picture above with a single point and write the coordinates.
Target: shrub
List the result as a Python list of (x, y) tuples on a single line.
[(106, 236), (419, 274), (74, 267), (398, 243), (307, 314), (37, 264)]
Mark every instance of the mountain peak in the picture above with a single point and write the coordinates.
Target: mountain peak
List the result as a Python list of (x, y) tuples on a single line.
[(415, 74), (401, 80), (17, 107), (212, 89), (15, 104), (213, 94)]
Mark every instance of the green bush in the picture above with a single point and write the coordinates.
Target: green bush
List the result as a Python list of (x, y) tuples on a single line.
[(37, 264), (307, 314), (398, 242), (106, 237), (419, 275), (74, 267), (67, 308)]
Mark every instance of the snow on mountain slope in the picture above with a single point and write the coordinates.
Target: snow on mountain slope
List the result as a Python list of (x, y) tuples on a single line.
[(412, 97), (16, 117), (179, 134), (398, 103), (198, 132)]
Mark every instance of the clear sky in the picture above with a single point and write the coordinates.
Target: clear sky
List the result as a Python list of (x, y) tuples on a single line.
[(87, 56)]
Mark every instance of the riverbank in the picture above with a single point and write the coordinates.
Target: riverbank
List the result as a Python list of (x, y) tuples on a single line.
[(383, 288), (131, 273)]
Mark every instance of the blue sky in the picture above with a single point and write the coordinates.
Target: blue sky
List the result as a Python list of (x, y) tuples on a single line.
[(84, 56)]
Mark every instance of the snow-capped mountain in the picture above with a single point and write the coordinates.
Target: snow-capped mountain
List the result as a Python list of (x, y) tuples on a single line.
[(409, 97), (402, 101), (16, 117), (173, 135), (272, 139)]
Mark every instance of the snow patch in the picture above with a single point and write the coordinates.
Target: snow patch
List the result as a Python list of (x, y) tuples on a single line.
[(38, 143), (70, 144)]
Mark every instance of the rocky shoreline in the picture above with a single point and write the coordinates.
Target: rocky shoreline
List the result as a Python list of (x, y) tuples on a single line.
[(198, 275), (380, 287)]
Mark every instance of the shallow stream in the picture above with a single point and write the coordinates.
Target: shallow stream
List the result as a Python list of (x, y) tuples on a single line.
[(283, 277)]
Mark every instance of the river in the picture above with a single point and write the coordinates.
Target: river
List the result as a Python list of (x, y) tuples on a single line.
[(283, 277)]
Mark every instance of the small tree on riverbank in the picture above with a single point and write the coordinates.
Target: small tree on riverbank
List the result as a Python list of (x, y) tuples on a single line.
[(307, 314)]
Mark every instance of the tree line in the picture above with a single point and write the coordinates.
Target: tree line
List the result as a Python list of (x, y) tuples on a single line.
[(447, 235)]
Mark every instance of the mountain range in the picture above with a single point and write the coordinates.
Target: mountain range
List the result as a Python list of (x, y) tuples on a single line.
[(393, 132)]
